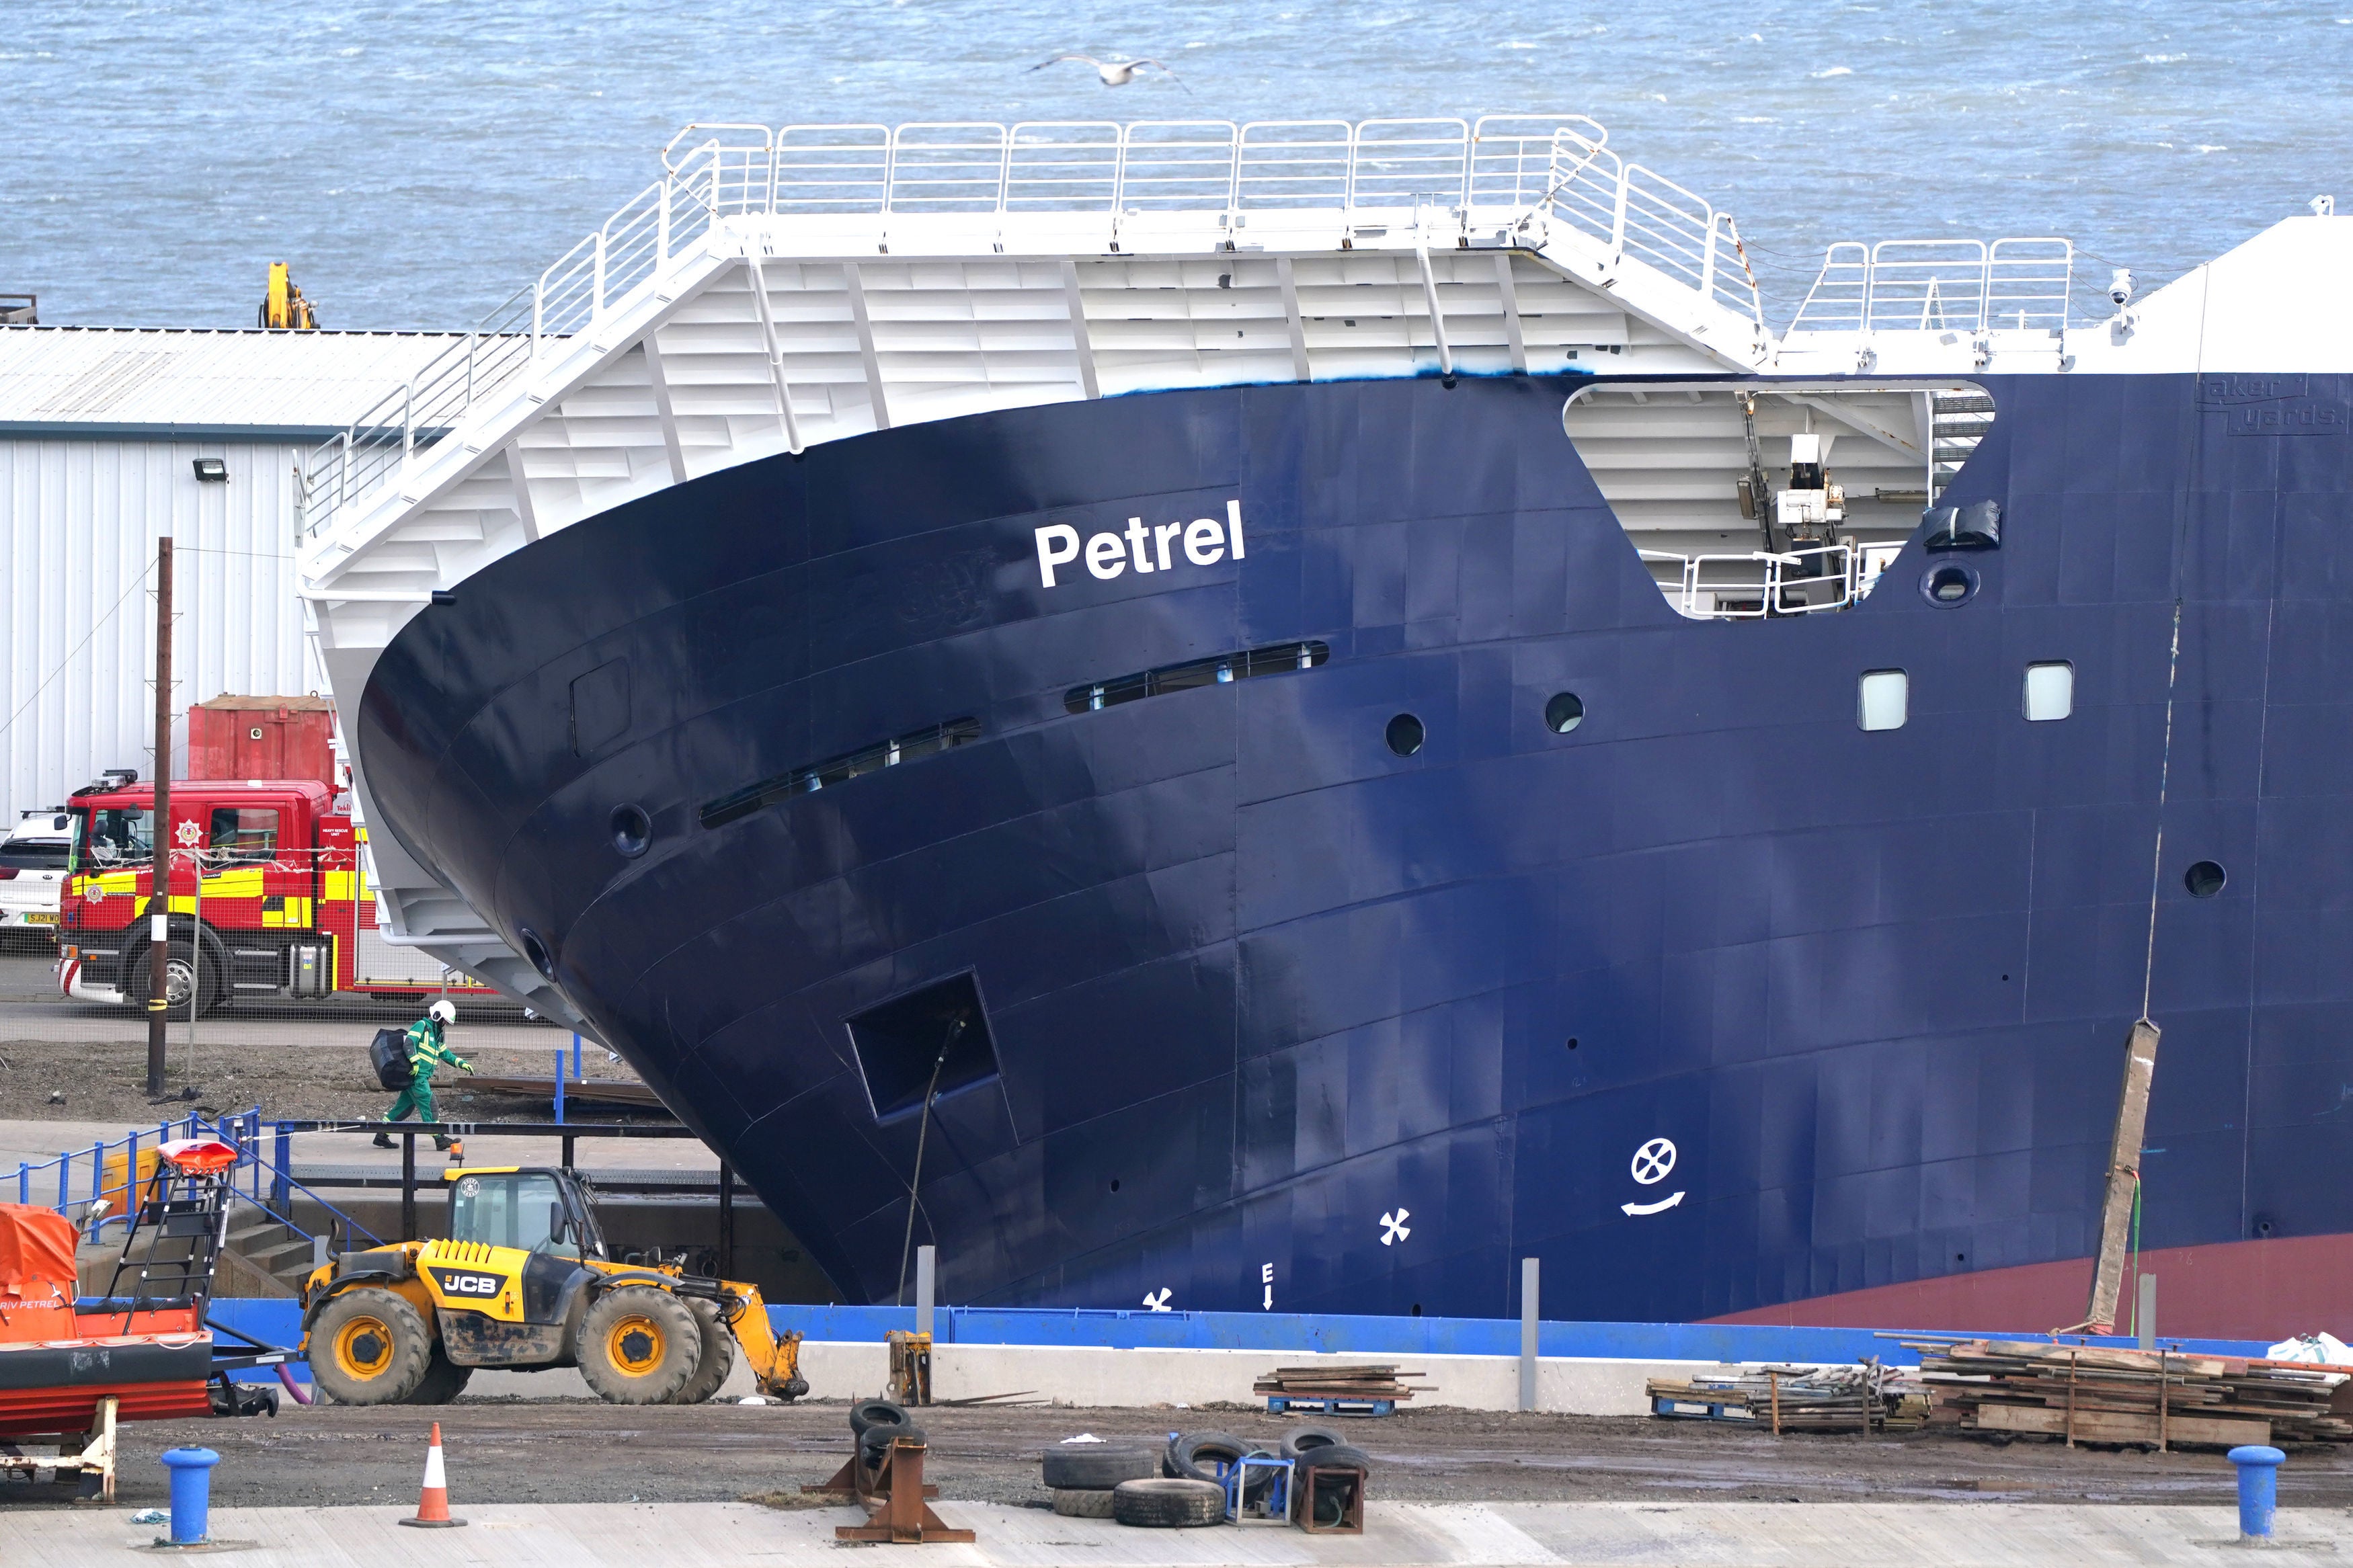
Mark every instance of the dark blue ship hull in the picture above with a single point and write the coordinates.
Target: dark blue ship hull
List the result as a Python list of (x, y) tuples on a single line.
[(1260, 1011)]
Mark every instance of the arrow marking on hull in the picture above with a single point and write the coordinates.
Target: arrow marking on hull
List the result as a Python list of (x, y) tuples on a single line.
[(1659, 1207)]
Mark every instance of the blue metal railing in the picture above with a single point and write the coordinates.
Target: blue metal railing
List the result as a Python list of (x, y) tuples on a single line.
[(266, 1181)]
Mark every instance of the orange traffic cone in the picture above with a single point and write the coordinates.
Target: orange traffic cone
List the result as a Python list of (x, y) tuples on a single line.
[(433, 1504)]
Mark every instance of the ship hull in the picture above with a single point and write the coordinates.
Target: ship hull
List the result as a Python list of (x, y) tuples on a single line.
[(1260, 1012)]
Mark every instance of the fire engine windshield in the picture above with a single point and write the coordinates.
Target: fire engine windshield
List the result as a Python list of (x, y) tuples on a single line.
[(116, 836)]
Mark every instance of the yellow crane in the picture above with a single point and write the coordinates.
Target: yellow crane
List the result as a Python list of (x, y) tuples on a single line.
[(521, 1282), (283, 305)]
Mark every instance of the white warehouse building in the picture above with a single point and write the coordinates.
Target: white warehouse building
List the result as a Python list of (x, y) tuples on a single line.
[(101, 433)]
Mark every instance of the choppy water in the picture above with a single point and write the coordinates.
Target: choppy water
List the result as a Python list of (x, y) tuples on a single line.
[(417, 161)]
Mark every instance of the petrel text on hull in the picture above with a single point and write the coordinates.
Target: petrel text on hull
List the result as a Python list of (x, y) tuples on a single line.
[(1238, 683)]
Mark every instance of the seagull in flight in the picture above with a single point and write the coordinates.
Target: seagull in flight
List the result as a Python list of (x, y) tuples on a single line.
[(1115, 73)]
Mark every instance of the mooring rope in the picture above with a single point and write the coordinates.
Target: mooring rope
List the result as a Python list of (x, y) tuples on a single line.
[(922, 1134), (2164, 776)]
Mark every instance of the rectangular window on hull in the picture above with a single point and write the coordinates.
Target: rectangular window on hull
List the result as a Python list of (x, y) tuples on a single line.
[(1883, 700), (2049, 692), (1278, 660), (927, 1042), (840, 770)]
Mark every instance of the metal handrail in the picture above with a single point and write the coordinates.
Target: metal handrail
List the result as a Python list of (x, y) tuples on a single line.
[(2021, 283), (938, 172), (241, 1129), (1773, 589)]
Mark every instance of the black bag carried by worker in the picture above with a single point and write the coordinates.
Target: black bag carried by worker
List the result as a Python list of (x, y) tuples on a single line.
[(389, 1053)]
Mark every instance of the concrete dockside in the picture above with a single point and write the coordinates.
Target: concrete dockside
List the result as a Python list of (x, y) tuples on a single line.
[(1541, 1535)]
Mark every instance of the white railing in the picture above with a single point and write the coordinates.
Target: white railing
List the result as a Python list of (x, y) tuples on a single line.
[(1507, 168), (1939, 284), (1758, 584)]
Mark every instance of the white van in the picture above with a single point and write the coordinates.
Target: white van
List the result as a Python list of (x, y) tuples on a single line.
[(32, 873)]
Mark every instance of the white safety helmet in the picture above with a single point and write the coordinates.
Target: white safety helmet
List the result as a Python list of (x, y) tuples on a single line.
[(444, 1010)]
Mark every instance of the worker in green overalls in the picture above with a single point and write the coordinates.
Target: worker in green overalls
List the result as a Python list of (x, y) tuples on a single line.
[(429, 1047)]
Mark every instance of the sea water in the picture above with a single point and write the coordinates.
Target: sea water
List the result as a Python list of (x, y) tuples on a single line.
[(417, 161)]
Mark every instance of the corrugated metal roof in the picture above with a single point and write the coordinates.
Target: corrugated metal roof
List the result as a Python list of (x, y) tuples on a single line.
[(83, 380)]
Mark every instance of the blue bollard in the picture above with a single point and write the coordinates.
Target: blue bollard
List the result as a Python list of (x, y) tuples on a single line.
[(192, 1487), (2258, 1489)]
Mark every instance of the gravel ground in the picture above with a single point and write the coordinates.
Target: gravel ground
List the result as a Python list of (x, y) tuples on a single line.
[(107, 1082), (577, 1451)]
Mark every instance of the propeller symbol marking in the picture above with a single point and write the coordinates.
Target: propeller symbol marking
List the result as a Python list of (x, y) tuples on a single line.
[(1157, 1300), (1653, 1160), (1393, 1227)]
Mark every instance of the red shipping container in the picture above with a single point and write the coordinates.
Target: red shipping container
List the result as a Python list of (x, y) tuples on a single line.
[(263, 738)]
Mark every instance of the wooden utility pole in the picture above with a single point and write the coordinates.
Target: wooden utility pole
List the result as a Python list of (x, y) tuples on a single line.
[(159, 905)]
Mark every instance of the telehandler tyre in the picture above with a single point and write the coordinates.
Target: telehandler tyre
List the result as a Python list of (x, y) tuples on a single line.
[(444, 1381), (639, 1345), (718, 1353), (370, 1347)]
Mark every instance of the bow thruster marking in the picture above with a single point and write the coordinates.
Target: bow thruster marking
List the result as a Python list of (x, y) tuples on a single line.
[(1393, 1227), (1653, 1160), (1660, 1208)]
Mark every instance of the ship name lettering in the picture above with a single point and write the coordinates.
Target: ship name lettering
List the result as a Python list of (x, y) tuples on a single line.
[(1144, 548)]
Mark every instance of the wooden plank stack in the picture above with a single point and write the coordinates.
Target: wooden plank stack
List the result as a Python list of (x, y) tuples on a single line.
[(1366, 1384), (2086, 1393), (1867, 1397)]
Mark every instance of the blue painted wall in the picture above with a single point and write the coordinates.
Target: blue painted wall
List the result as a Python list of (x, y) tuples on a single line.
[(1294, 1333)]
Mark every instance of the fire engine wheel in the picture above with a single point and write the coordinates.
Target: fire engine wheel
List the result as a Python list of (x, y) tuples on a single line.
[(717, 1354), (639, 1345), (370, 1347), (183, 966)]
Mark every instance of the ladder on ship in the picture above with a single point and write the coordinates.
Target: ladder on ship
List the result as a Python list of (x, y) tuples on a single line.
[(1959, 422)]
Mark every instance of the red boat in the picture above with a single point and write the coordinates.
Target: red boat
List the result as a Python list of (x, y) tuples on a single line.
[(69, 1369)]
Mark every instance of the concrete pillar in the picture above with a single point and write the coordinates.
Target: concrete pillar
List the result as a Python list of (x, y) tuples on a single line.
[(925, 1279), (2144, 1313), (1527, 1333)]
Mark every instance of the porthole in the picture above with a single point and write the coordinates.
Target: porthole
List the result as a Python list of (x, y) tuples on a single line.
[(1948, 583), (1565, 712), (536, 950), (1406, 734), (2204, 879), (633, 830)]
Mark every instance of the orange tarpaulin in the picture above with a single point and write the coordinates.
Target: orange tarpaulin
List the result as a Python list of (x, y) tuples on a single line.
[(36, 1255)]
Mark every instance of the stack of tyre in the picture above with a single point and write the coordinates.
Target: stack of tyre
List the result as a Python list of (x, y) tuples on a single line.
[(877, 1424), (1109, 1480)]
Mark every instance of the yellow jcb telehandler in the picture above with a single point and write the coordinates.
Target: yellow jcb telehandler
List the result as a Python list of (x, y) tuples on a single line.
[(521, 1282)]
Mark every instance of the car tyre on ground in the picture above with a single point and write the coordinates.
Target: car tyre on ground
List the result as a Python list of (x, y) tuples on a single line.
[(1168, 1503), (639, 1345), (1091, 1467), (369, 1346), (1336, 1457), (1083, 1502), (1194, 1456), (1299, 1440)]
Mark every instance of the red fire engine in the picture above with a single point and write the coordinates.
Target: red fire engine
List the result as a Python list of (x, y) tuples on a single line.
[(269, 897)]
